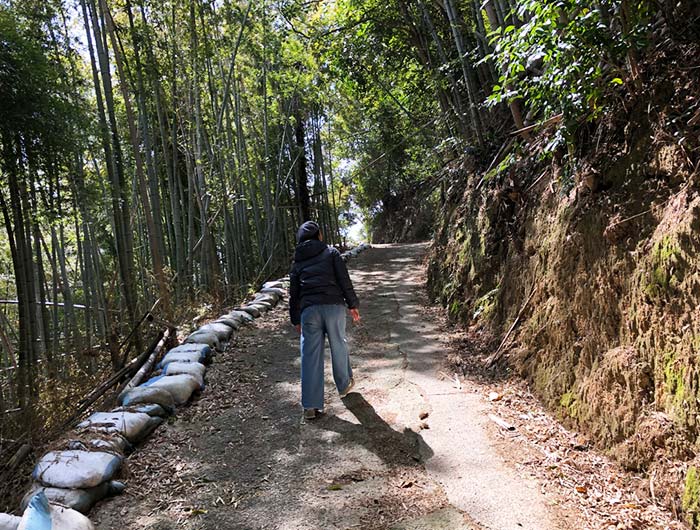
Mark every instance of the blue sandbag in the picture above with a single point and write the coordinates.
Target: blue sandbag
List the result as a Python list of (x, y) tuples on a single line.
[(37, 516), (40, 515)]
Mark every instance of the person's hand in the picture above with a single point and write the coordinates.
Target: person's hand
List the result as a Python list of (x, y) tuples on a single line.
[(355, 314), (298, 328)]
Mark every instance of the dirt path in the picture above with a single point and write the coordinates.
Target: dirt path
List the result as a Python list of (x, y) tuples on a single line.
[(239, 456)]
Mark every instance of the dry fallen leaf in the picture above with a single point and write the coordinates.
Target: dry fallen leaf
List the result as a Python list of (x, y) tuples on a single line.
[(495, 396)]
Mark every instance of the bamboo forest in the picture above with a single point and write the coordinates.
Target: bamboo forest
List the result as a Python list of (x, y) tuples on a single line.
[(527, 173)]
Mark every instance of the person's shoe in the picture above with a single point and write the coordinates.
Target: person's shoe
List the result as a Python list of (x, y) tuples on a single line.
[(309, 414), (348, 388)]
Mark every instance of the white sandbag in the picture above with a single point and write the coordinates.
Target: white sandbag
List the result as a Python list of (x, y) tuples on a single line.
[(77, 499), (263, 307), (152, 409), (105, 442), (222, 331), (134, 426), (194, 369), (233, 323), (76, 469), (193, 352), (281, 293), (9, 522), (180, 386), (271, 297), (253, 311), (143, 395), (245, 316), (237, 316), (275, 284), (269, 304), (204, 337), (40, 515)]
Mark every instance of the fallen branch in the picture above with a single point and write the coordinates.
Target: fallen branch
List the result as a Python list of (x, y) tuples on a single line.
[(497, 159), (19, 457), (148, 365), (497, 354), (526, 130), (503, 424), (536, 181)]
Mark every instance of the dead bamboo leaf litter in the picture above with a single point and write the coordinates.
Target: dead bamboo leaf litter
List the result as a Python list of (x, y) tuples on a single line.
[(565, 463)]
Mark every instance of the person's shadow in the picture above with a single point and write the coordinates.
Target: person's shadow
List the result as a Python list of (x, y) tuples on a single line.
[(393, 447)]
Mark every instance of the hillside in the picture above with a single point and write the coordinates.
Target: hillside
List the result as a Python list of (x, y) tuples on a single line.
[(583, 271)]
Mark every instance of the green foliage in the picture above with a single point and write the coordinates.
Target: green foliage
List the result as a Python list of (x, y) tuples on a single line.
[(691, 498), (568, 56), (37, 114), (385, 111), (569, 404), (665, 256)]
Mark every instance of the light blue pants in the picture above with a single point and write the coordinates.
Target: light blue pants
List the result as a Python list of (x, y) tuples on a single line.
[(317, 322)]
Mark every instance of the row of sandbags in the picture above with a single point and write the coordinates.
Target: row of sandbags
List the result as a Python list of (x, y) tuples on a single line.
[(68, 481), (353, 252)]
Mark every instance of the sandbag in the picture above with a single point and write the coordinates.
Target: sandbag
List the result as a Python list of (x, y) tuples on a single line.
[(9, 522), (244, 315), (76, 499), (180, 386), (253, 311), (143, 395), (233, 323), (204, 337), (193, 352), (269, 304), (274, 284), (281, 293), (40, 515), (222, 331), (271, 297), (106, 443), (152, 409), (76, 469), (263, 307), (195, 369), (134, 426)]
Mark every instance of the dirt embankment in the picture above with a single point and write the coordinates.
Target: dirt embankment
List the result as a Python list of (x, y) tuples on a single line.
[(590, 267)]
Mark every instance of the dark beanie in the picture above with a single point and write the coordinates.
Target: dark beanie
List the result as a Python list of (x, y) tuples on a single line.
[(308, 230)]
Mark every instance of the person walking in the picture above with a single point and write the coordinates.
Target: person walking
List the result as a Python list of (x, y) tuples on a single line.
[(320, 289)]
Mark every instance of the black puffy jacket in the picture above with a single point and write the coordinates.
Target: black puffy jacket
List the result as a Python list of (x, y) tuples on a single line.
[(318, 276)]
